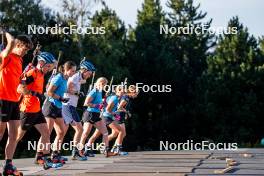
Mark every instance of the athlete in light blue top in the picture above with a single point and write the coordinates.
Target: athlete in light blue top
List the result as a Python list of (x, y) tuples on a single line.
[(109, 114), (91, 117), (55, 92), (123, 111), (61, 83), (96, 96), (111, 99)]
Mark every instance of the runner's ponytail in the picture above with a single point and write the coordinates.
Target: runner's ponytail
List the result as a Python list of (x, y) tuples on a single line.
[(61, 69)]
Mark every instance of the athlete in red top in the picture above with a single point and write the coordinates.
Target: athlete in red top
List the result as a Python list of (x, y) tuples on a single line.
[(31, 103), (31, 86), (10, 71)]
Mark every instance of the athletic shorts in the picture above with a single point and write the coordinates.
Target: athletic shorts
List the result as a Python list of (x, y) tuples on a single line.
[(70, 114), (122, 118), (91, 117), (30, 119), (49, 110), (108, 120), (9, 111)]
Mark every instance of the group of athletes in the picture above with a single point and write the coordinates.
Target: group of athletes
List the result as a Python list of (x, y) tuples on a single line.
[(21, 107)]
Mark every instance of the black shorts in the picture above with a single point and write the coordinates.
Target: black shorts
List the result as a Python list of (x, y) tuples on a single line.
[(91, 117), (108, 120), (49, 110), (9, 111), (30, 119), (122, 118)]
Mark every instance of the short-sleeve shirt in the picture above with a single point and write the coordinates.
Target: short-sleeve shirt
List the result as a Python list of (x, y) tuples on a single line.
[(97, 99), (61, 83), (76, 79), (10, 77), (31, 103), (109, 100)]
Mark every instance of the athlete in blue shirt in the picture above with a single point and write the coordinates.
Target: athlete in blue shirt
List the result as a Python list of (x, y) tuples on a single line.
[(60, 82), (123, 113), (53, 111), (109, 113), (91, 117)]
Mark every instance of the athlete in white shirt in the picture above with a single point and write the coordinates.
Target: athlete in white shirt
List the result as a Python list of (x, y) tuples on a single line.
[(69, 112)]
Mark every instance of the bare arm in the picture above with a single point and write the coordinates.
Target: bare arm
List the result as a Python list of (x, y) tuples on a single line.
[(121, 106), (88, 101), (9, 47), (51, 90), (109, 107), (22, 89)]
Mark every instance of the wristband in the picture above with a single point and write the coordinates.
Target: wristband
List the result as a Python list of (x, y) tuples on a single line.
[(97, 106)]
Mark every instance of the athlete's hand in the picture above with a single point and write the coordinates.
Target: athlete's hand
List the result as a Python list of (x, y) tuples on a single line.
[(64, 100), (121, 109), (40, 96), (98, 106), (10, 44), (81, 94)]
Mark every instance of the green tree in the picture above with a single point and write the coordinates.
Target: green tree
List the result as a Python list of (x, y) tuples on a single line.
[(232, 88), (77, 12), (190, 49), (147, 61), (261, 41), (107, 50), (16, 15), (187, 60)]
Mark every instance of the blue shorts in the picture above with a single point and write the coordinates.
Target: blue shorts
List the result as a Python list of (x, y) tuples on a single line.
[(70, 114)]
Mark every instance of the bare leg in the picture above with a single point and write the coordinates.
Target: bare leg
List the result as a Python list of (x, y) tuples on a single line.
[(123, 129), (112, 135), (87, 127), (50, 124), (94, 136), (101, 128), (12, 127), (77, 126), (21, 133), (114, 126), (59, 128), (2, 129), (44, 139)]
